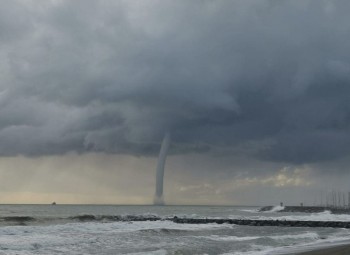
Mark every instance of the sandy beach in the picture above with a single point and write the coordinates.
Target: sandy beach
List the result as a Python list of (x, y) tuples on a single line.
[(337, 250)]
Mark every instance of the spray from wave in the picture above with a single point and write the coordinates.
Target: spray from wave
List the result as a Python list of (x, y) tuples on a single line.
[(276, 208)]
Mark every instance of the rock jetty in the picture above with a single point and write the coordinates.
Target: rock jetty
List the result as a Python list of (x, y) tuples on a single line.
[(246, 222), (275, 223), (308, 209)]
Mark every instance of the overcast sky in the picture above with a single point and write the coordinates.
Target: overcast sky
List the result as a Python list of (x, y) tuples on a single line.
[(256, 96)]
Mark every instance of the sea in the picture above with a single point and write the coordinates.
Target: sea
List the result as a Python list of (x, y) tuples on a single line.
[(118, 229)]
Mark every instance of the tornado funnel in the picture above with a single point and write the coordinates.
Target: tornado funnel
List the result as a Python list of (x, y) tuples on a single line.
[(158, 197)]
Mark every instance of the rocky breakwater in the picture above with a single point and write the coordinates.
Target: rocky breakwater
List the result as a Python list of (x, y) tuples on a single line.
[(185, 220), (306, 209), (273, 223)]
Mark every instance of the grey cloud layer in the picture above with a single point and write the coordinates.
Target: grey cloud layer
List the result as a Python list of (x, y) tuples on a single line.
[(113, 76)]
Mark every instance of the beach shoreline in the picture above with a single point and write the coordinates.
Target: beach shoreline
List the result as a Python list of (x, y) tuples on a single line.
[(341, 249)]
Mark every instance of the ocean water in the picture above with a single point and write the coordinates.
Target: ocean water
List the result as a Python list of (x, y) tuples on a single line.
[(114, 229)]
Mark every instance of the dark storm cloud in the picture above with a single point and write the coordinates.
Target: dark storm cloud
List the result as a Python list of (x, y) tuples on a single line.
[(113, 76)]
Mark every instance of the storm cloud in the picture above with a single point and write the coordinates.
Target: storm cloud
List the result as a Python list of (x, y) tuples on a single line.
[(268, 77)]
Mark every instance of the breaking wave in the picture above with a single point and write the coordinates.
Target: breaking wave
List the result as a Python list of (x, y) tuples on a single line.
[(276, 208), (307, 235), (90, 217), (27, 220), (232, 238), (16, 220)]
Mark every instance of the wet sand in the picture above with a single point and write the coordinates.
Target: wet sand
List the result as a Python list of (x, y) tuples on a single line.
[(337, 250)]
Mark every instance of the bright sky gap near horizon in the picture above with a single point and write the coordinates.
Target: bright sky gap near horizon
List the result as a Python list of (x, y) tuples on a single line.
[(256, 95)]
